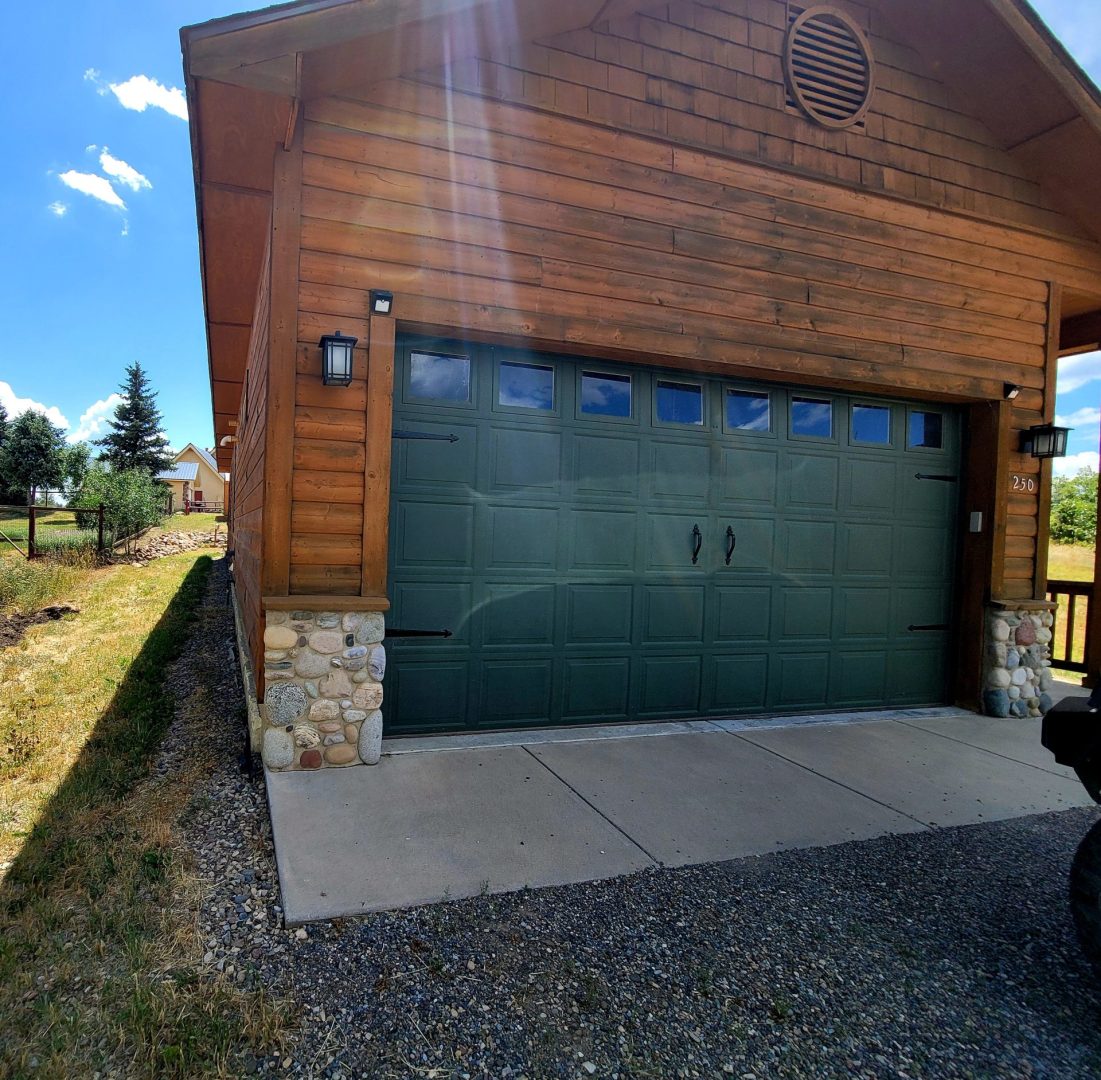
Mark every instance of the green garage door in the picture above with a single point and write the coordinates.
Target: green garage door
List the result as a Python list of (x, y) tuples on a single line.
[(608, 543)]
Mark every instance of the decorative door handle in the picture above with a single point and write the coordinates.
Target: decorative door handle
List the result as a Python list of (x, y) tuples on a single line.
[(731, 544), (697, 536)]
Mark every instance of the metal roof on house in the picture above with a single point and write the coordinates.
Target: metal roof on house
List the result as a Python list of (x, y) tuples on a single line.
[(182, 470), (207, 456)]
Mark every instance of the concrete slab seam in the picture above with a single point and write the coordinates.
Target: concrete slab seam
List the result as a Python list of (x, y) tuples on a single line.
[(984, 749), (832, 780), (596, 810)]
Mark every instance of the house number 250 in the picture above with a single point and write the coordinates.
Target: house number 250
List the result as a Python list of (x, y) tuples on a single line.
[(1024, 483)]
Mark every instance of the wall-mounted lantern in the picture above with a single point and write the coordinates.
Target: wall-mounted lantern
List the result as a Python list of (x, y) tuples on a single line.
[(382, 302), (1045, 441), (336, 359)]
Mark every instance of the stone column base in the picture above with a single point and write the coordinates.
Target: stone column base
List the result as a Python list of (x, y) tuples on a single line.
[(1017, 676), (323, 676)]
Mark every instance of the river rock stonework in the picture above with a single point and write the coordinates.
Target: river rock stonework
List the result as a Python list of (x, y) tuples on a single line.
[(1017, 677), (323, 688)]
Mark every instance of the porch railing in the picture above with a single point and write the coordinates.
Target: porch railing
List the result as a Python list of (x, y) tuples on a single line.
[(1071, 629)]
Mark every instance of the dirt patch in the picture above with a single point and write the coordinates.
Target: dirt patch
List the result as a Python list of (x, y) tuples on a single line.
[(13, 627)]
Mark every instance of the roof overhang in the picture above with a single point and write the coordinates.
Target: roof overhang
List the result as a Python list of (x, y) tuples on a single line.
[(247, 74)]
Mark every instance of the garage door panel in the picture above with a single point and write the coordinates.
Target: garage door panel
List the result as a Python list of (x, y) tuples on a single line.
[(754, 544), (806, 613), (916, 676), (516, 691), (602, 540), (864, 612), (669, 542), (434, 462), (923, 500), (596, 688), (859, 678), (527, 460), (929, 605), (742, 613), (866, 549), (427, 694), (599, 614), (922, 552), (521, 537), (738, 683), (435, 605), (679, 471), (672, 613), (435, 535), (870, 486), (800, 680), (604, 465), (518, 615), (808, 547), (669, 685), (812, 480), (749, 476)]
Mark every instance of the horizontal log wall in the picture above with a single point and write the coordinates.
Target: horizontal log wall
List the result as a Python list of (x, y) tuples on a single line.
[(711, 74), (247, 489)]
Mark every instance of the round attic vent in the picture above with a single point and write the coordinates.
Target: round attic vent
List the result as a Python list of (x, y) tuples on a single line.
[(829, 67)]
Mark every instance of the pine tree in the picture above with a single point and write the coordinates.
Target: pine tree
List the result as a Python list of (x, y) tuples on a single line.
[(136, 440), (32, 456)]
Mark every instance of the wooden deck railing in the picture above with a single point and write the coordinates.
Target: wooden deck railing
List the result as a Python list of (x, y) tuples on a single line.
[(1068, 643)]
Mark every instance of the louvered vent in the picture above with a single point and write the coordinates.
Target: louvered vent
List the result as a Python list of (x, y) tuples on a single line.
[(829, 66)]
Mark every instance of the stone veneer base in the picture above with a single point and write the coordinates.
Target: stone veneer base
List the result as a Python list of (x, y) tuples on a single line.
[(1017, 676), (323, 673)]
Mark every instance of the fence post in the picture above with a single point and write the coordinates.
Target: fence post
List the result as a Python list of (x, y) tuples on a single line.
[(30, 531), (99, 539)]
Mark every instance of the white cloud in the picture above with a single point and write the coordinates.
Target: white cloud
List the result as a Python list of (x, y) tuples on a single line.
[(1080, 418), (1077, 371), (59, 209), (16, 406), (1070, 465), (93, 421), (141, 92), (122, 172), (96, 186)]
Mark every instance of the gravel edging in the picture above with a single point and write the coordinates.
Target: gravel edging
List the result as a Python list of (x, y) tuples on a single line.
[(940, 954)]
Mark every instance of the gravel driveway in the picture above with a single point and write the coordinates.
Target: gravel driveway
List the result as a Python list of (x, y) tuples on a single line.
[(942, 954)]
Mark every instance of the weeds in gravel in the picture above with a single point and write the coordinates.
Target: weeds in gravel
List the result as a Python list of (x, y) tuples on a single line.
[(98, 953)]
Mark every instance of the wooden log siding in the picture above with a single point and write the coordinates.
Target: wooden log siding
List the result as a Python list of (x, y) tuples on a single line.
[(246, 519)]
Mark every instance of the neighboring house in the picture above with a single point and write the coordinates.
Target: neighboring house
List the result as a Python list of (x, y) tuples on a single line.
[(194, 478), (715, 330)]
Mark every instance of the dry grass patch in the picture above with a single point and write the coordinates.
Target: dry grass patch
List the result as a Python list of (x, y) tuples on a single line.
[(100, 963)]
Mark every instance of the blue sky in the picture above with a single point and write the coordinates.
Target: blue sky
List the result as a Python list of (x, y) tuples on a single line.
[(100, 208)]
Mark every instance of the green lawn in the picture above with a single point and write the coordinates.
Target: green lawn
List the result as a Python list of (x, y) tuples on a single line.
[(1067, 562)]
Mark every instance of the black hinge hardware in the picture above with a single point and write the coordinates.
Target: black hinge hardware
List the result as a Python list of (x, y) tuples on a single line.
[(932, 626), (423, 435), (393, 631), (930, 476)]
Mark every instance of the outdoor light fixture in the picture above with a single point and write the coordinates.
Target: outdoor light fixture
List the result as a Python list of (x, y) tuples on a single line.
[(382, 302), (336, 359), (1011, 391), (1045, 441)]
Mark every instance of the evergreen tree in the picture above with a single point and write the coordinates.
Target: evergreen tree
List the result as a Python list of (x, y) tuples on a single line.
[(7, 495), (32, 455), (136, 440)]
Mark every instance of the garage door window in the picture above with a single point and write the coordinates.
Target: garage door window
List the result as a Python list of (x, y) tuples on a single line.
[(812, 418), (679, 403), (437, 377), (926, 430), (526, 386), (605, 394), (871, 425), (748, 410)]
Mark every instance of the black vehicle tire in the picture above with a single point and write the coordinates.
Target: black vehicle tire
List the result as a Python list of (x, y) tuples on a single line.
[(1085, 895)]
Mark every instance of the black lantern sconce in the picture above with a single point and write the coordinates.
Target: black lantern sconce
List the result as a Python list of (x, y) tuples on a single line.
[(336, 359), (382, 302), (1045, 441)]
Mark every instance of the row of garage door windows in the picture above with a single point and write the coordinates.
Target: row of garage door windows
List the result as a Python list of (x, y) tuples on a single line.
[(445, 379)]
